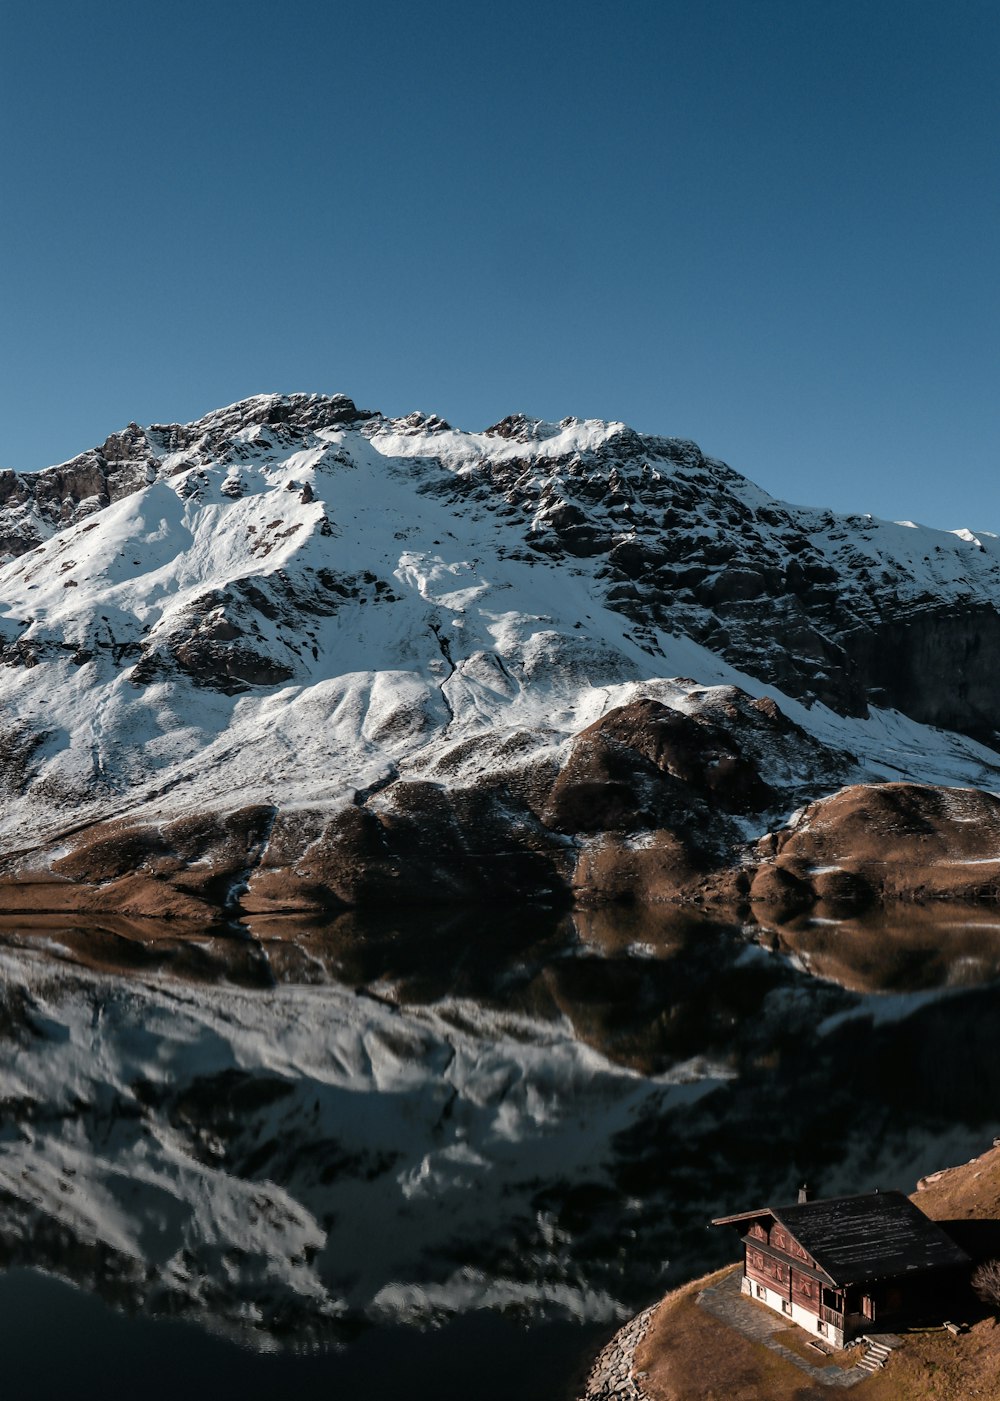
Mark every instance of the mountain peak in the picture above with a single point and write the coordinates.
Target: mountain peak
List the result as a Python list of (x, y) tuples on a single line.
[(297, 412)]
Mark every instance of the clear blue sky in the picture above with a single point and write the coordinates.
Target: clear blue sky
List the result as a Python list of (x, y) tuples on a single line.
[(769, 225)]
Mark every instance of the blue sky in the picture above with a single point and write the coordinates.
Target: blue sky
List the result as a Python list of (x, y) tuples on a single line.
[(769, 225)]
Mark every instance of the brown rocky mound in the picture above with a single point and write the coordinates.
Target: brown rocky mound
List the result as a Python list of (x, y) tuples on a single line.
[(878, 842), (646, 765)]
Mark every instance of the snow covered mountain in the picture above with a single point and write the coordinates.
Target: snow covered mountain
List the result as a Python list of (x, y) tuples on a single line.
[(298, 654)]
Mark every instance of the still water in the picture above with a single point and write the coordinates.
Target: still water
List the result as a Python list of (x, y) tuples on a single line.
[(403, 1156)]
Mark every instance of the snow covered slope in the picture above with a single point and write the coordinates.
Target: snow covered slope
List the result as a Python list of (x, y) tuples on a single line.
[(218, 639)]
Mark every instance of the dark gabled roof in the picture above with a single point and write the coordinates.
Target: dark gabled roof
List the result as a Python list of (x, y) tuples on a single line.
[(859, 1238)]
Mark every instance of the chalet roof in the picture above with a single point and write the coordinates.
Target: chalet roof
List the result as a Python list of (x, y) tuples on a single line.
[(860, 1238)]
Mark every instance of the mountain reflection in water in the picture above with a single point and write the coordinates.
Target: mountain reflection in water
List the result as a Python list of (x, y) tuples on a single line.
[(299, 1136)]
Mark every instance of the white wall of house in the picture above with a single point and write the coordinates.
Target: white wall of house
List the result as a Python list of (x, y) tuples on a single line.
[(795, 1313)]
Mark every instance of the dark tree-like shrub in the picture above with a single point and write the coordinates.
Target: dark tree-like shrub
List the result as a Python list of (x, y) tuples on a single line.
[(986, 1282)]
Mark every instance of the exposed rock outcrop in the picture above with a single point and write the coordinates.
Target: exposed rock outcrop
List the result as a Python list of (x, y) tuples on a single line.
[(891, 841)]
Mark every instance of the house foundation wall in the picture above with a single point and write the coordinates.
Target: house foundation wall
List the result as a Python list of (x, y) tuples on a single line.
[(795, 1313)]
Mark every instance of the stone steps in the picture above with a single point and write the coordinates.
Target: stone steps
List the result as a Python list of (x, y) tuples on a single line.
[(876, 1355)]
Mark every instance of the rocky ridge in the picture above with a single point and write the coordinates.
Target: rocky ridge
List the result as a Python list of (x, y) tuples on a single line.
[(298, 655)]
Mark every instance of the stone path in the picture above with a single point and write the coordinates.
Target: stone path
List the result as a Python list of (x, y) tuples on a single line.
[(725, 1302), (611, 1375)]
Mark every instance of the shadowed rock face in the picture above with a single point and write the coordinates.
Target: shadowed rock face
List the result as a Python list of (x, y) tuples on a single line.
[(32, 505), (937, 665), (824, 607)]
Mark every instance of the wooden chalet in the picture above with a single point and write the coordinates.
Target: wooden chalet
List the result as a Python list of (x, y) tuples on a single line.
[(849, 1265)]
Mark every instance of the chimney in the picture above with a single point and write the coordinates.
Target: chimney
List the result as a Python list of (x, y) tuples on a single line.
[(805, 1194)]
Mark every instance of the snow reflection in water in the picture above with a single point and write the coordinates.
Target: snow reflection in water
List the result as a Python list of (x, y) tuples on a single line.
[(399, 1123)]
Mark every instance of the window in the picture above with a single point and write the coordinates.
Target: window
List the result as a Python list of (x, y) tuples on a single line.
[(821, 1327), (761, 1292), (786, 1306)]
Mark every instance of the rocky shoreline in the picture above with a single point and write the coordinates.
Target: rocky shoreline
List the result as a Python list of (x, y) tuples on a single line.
[(612, 1377)]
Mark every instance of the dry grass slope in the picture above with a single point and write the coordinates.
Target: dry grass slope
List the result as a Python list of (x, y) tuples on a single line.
[(690, 1356)]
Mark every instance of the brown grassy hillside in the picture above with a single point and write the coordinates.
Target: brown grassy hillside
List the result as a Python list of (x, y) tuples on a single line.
[(690, 1356)]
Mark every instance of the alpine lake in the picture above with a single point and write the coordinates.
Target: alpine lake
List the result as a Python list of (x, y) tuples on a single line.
[(444, 1154)]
